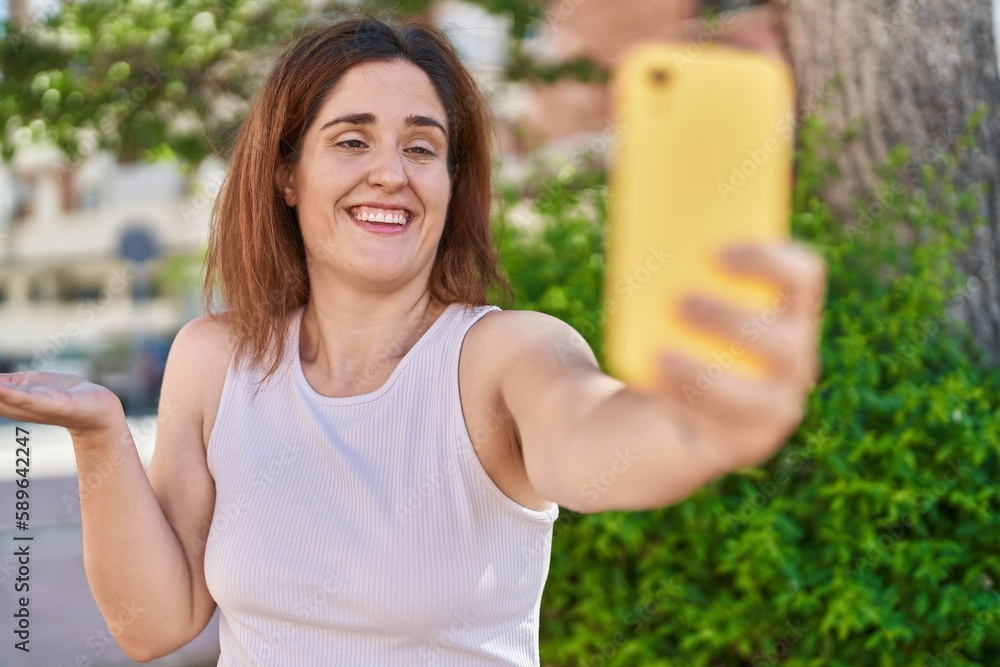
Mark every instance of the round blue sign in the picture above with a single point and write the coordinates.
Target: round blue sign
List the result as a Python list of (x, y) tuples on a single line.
[(138, 244)]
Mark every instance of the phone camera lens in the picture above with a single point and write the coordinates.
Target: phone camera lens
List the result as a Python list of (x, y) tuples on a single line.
[(659, 76)]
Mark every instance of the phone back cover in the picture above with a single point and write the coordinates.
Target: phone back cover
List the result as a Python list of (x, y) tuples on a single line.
[(703, 160)]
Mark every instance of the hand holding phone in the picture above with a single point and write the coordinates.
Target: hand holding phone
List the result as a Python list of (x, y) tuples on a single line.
[(704, 162)]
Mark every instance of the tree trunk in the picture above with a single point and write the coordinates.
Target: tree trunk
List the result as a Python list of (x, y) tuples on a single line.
[(907, 72), (18, 11)]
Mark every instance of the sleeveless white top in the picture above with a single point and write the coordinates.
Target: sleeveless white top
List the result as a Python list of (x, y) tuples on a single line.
[(364, 531)]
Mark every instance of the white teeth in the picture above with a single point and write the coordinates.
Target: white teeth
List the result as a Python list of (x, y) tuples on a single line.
[(365, 214)]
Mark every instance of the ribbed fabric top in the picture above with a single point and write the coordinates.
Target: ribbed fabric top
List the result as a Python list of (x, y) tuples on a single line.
[(364, 531)]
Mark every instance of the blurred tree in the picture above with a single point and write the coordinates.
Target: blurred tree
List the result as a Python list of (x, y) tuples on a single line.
[(146, 79), (882, 74), (157, 79), (18, 10)]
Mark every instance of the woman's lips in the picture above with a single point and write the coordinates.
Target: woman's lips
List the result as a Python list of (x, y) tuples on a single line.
[(381, 221)]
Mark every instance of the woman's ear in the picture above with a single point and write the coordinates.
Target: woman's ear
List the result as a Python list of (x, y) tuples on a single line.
[(285, 182)]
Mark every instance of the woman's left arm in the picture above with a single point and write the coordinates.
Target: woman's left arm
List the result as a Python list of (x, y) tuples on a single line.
[(591, 443)]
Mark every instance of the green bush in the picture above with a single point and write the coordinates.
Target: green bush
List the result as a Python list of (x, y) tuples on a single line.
[(871, 537)]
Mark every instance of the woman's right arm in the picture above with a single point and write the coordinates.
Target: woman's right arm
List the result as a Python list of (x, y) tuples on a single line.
[(143, 536)]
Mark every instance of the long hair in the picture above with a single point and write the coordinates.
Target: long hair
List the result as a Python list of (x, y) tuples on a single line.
[(255, 247)]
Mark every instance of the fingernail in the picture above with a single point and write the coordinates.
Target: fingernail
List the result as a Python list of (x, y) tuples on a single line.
[(737, 253), (699, 305), (674, 362)]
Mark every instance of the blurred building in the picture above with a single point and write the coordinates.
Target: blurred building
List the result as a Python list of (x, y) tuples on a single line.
[(605, 31), (91, 270), (551, 122)]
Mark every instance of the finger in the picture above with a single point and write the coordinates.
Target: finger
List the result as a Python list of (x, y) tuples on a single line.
[(744, 421), (31, 379), (16, 403), (797, 271), (7, 379), (787, 349), (731, 447), (24, 400), (12, 390), (729, 397)]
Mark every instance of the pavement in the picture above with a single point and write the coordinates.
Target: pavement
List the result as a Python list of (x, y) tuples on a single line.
[(66, 626)]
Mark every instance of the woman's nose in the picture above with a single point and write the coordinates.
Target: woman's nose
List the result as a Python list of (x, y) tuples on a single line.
[(388, 170)]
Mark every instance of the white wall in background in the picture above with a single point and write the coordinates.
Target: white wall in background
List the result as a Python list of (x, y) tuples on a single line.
[(479, 36)]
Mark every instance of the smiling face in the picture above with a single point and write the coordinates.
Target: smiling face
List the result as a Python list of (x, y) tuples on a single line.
[(371, 187)]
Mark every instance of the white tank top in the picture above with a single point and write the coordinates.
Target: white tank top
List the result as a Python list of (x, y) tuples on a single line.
[(363, 531)]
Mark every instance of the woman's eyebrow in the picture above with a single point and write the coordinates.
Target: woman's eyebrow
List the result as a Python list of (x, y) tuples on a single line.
[(351, 119), (369, 119), (426, 121)]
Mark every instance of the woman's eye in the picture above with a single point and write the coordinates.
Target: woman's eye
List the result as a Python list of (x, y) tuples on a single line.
[(351, 143), (420, 150)]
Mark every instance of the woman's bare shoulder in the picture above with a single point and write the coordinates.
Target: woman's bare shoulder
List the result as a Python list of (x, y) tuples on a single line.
[(203, 348), (504, 332), (502, 340), (209, 330), (206, 344)]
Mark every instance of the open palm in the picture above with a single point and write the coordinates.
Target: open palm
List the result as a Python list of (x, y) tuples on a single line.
[(60, 399)]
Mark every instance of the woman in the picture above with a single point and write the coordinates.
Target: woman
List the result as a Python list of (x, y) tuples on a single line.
[(360, 460)]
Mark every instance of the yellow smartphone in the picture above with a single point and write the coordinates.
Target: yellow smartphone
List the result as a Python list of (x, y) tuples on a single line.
[(703, 160)]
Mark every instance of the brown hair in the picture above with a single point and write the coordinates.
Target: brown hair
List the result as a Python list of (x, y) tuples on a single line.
[(255, 247)]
